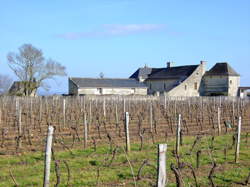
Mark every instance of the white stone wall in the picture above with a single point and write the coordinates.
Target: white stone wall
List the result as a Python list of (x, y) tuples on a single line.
[(234, 83), (112, 91), (192, 86)]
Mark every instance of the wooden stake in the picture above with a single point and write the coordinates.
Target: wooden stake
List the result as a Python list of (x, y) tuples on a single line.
[(17, 107), (151, 118), (219, 126), (19, 141), (90, 112), (165, 102), (237, 151), (162, 174), (40, 110), (127, 131), (124, 105), (104, 108), (0, 117), (64, 111), (116, 115), (85, 130), (178, 133), (48, 156), (233, 113)]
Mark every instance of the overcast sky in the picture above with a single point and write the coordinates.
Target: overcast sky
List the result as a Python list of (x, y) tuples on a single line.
[(118, 36)]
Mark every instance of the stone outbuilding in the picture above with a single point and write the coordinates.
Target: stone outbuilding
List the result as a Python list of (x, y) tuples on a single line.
[(221, 79), (106, 86)]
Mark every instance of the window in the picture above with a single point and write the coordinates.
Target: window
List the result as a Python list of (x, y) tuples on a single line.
[(196, 86), (150, 86), (165, 87), (231, 82), (185, 87)]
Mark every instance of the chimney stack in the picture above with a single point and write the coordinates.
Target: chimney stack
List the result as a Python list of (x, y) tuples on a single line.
[(203, 64), (168, 64)]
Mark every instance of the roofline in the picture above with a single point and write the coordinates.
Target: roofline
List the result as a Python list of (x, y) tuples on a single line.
[(113, 87), (244, 87), (177, 77), (222, 74), (102, 78)]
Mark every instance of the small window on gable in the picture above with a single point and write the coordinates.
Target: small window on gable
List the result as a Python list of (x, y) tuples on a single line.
[(231, 82), (185, 87), (196, 86)]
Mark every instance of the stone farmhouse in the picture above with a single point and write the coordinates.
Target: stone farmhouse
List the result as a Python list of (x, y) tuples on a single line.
[(188, 80)]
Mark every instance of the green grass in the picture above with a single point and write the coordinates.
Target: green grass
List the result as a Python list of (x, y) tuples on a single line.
[(27, 168)]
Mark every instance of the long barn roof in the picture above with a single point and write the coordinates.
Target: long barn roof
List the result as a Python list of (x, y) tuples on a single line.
[(107, 83), (176, 72)]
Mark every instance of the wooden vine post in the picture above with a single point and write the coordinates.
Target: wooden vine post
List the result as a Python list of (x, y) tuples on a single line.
[(233, 113), (64, 111), (165, 102), (219, 116), (162, 174), (0, 117), (85, 130), (104, 108), (40, 110), (19, 128), (237, 150), (48, 156), (90, 112), (151, 118), (178, 133), (124, 105), (127, 131), (116, 115)]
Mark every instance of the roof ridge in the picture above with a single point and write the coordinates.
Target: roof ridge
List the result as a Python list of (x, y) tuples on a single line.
[(100, 78)]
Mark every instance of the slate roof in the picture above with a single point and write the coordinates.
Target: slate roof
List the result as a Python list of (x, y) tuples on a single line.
[(173, 72), (107, 83), (144, 72), (222, 69)]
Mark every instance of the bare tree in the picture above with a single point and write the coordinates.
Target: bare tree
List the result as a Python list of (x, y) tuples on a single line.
[(5, 82), (32, 68)]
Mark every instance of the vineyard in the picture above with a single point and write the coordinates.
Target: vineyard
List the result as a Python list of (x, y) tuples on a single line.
[(90, 140)]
